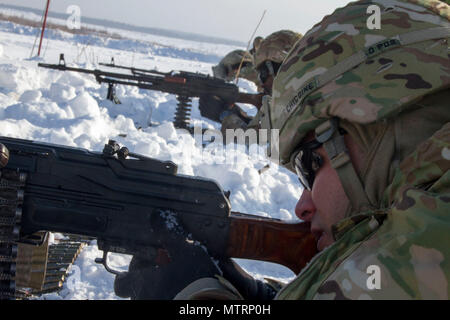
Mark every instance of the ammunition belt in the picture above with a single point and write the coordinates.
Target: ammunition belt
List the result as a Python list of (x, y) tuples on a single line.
[(61, 255), (11, 199), (60, 258)]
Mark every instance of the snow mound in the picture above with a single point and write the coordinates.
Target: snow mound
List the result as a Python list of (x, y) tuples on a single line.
[(30, 96), (61, 93), (84, 105), (8, 77)]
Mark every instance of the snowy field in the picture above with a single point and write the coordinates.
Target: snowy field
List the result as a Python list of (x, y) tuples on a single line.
[(71, 109)]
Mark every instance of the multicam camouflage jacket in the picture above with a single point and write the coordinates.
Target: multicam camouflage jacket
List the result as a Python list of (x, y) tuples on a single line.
[(400, 252)]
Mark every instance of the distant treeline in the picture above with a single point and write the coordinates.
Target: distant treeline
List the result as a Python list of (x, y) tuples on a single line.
[(129, 27)]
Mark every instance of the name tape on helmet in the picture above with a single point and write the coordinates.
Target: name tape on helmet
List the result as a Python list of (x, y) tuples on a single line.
[(381, 46), (302, 93)]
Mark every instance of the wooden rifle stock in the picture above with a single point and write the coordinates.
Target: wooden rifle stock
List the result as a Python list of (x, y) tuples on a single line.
[(288, 244)]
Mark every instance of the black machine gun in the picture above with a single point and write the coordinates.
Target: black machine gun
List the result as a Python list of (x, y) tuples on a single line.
[(116, 197), (185, 85)]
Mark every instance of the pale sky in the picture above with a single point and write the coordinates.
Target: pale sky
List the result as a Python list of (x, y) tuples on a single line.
[(231, 19)]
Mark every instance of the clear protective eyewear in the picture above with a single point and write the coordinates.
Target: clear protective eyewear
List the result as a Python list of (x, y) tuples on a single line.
[(307, 162)]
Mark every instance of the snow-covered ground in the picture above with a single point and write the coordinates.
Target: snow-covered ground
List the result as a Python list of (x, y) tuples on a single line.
[(71, 109)]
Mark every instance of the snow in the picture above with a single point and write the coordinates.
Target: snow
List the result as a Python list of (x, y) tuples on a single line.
[(71, 109)]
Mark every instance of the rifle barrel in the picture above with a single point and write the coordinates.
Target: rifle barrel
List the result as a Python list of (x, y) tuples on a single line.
[(62, 67)]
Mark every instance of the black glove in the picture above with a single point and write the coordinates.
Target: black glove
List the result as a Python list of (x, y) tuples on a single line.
[(216, 109), (211, 107), (185, 262)]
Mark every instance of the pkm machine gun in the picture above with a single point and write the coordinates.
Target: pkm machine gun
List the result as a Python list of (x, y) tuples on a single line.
[(116, 197), (185, 85)]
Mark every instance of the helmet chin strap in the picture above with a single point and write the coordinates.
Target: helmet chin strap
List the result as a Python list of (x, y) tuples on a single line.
[(333, 142)]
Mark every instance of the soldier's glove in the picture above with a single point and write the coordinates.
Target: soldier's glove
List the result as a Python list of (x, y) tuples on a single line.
[(178, 263), (211, 107), (216, 109), (248, 287), (234, 284)]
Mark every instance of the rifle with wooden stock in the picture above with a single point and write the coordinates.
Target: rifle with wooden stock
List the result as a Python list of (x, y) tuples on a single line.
[(116, 196)]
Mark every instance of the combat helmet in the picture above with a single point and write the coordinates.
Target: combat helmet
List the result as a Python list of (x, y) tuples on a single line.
[(275, 47), (343, 71), (228, 66), (256, 43)]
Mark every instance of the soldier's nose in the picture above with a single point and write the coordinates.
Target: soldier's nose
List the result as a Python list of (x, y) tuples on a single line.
[(305, 208)]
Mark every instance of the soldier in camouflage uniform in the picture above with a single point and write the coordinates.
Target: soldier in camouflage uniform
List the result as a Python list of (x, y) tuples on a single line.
[(241, 61), (363, 118), (269, 54), (364, 121)]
